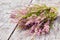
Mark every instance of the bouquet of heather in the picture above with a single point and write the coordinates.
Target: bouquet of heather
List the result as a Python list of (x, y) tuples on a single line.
[(36, 18)]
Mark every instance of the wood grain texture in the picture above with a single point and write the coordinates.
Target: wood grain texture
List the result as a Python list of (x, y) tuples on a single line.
[(6, 6)]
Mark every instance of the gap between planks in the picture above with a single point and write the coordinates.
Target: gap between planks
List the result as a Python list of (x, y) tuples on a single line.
[(17, 24)]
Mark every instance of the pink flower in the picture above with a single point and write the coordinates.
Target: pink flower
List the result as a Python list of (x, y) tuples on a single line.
[(46, 28), (14, 20), (23, 11), (12, 16), (43, 32), (15, 14), (28, 22), (39, 32)]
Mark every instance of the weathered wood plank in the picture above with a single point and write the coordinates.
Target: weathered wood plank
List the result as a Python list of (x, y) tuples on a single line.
[(6, 27), (45, 1)]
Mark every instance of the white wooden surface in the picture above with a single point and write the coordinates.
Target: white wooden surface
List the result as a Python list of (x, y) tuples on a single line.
[(6, 6)]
